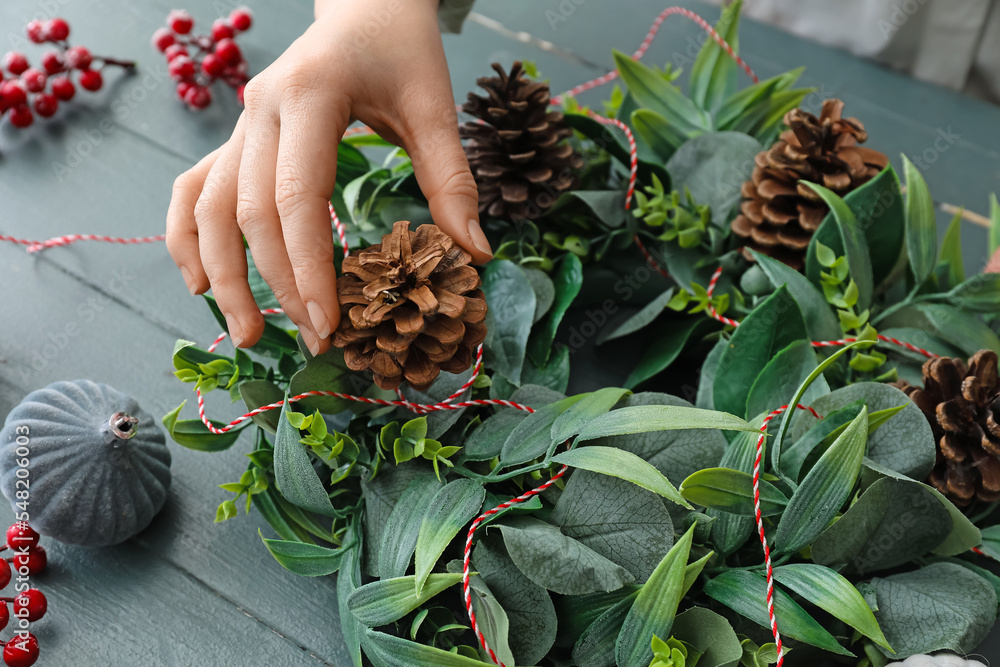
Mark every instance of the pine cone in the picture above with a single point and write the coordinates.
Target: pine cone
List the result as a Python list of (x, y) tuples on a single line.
[(412, 307), (779, 215), (962, 403), (518, 155)]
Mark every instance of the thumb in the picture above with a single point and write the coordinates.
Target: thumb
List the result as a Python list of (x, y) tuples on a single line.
[(442, 172)]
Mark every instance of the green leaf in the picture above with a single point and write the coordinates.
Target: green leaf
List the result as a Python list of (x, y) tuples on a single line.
[(533, 436), (653, 92), (744, 592), (193, 434), (878, 207), (666, 348), (486, 441), (568, 279), (511, 312), (492, 620), (737, 107), (951, 251), (454, 505), (387, 600), (402, 528), (390, 651), (640, 320), (675, 453), (348, 581), (544, 289), (608, 206), (980, 293), (257, 393), (308, 560), (327, 372), (893, 522), (381, 495), (624, 523), (297, 480), (589, 406), (713, 75), (710, 634), (713, 166), (661, 136), (730, 531), (921, 225), (795, 457), (951, 324), (596, 646), (772, 326), (824, 490), (820, 321), (833, 594), (645, 418), (655, 607), (941, 606), (994, 224), (528, 606), (557, 562), (624, 465), (613, 140), (782, 375), (854, 242), (732, 491)]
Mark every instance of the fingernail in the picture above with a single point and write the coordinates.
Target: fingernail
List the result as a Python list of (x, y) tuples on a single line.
[(189, 281), (320, 322), (479, 238), (311, 342), (235, 330)]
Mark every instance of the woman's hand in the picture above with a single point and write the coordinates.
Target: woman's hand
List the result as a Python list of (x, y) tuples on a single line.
[(378, 62)]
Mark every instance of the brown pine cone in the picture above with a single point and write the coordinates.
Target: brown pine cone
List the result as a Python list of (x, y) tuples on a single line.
[(779, 215), (962, 403), (411, 306), (518, 154)]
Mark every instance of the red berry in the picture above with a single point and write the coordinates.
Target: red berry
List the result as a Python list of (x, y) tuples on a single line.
[(35, 560), (45, 105), (180, 21), (183, 87), (4, 616), (91, 79), (181, 68), (33, 80), (239, 92), (198, 97), (52, 62), (221, 30), (21, 116), (62, 87), (241, 19), (13, 93), (5, 574), (213, 65), (163, 38), (36, 31), (175, 50), (22, 535), (31, 601), (228, 51), (57, 29), (21, 651), (78, 57), (15, 62)]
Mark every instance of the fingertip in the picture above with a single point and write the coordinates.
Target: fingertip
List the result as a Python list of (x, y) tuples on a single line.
[(480, 250)]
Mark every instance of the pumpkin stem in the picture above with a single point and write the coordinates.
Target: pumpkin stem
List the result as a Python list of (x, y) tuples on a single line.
[(123, 425)]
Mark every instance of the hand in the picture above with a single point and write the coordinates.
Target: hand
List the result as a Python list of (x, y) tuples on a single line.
[(380, 62)]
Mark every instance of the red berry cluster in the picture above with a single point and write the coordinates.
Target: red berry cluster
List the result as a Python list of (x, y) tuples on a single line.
[(195, 62), (30, 603), (34, 90)]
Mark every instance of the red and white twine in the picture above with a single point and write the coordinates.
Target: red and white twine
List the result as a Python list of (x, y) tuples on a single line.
[(451, 403)]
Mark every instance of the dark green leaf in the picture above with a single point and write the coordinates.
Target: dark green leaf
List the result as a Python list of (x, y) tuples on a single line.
[(641, 319), (596, 646), (921, 225), (486, 441), (951, 252), (820, 321), (665, 348), (824, 490), (608, 206), (193, 434), (568, 279), (713, 75), (941, 606), (732, 491), (402, 528), (736, 108), (273, 341), (744, 591), (257, 393), (878, 208), (453, 506), (611, 139), (654, 608), (294, 474), (381, 496), (710, 634), (511, 311), (730, 531), (980, 293), (348, 581), (782, 375), (654, 92), (533, 436), (308, 560), (545, 291), (772, 326), (657, 132), (557, 562), (327, 372), (492, 620), (589, 406), (794, 456)]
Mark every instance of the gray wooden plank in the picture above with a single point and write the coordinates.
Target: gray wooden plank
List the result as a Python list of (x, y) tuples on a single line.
[(79, 335)]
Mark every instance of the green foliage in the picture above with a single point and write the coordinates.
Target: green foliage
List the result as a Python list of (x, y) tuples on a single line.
[(410, 440), (687, 223)]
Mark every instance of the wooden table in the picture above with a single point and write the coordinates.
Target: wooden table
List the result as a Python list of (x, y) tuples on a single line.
[(187, 591)]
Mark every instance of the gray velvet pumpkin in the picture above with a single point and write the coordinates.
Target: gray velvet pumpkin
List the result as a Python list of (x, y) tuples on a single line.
[(98, 467)]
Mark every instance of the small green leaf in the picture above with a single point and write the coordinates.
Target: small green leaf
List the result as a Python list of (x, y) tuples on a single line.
[(623, 465), (386, 600), (824, 490), (921, 225), (732, 491)]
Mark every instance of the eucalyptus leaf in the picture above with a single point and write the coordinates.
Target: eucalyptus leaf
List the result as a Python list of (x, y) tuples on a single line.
[(296, 479), (327, 372), (622, 522), (544, 289), (511, 302), (557, 562), (710, 634)]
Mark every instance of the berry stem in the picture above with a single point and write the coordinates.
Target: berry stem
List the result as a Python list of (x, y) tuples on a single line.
[(127, 65)]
